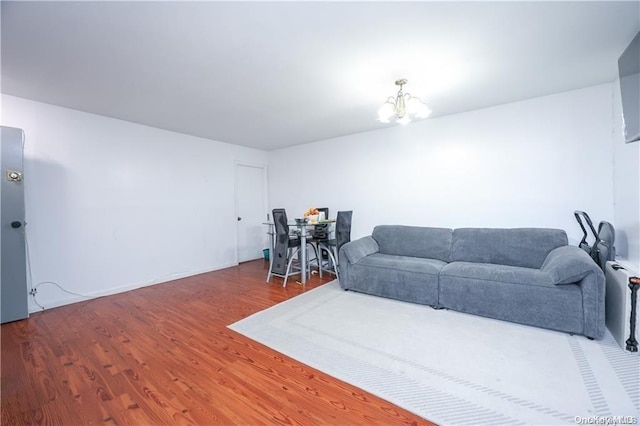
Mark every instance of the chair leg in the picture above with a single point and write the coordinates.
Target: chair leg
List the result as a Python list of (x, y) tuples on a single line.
[(269, 273), (335, 263), (332, 258), (286, 275)]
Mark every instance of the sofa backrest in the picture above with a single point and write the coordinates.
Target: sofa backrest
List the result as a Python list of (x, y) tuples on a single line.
[(526, 247), (414, 241)]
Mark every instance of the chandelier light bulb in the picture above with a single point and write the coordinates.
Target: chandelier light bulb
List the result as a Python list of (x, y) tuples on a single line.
[(423, 111), (413, 105), (385, 112)]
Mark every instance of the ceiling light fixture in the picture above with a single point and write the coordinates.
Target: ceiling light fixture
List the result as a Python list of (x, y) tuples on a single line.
[(403, 107)]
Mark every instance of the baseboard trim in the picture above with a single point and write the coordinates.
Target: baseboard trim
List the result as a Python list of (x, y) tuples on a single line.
[(50, 304)]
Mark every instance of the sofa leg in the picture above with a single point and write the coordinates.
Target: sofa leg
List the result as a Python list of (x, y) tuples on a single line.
[(438, 307), (590, 338)]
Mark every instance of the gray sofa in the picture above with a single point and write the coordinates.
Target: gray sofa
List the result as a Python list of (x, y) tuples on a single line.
[(524, 275)]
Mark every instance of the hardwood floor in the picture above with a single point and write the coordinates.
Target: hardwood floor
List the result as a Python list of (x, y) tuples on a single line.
[(163, 355)]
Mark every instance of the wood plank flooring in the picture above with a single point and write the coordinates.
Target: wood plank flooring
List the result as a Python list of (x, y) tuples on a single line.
[(163, 355)]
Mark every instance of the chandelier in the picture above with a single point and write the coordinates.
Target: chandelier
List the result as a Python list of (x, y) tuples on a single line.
[(403, 107)]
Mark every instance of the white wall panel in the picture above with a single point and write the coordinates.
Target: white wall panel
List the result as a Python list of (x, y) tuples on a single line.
[(112, 205), (626, 190), (530, 163)]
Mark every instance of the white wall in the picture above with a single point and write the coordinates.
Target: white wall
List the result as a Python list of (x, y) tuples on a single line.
[(112, 205), (530, 163), (626, 192)]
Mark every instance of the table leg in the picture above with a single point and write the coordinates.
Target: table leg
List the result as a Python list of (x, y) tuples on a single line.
[(272, 245), (303, 255), (272, 249)]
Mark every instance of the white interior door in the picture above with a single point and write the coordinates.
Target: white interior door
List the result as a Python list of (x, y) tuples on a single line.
[(251, 211)]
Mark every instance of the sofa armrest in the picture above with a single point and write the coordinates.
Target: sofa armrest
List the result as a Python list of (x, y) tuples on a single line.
[(572, 265), (355, 250), (568, 265)]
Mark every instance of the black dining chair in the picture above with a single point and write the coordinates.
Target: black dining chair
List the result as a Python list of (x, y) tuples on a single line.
[(320, 233), (286, 249), (342, 236)]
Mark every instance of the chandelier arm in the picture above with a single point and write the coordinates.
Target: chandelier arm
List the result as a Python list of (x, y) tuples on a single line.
[(408, 96)]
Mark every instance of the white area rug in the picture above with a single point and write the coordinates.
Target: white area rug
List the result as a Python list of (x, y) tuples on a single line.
[(448, 367)]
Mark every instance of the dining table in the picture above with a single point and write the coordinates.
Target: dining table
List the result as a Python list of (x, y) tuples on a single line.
[(301, 229)]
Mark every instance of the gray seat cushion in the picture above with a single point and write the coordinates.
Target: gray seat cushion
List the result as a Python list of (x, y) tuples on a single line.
[(498, 273), (405, 278), (403, 263), (523, 295)]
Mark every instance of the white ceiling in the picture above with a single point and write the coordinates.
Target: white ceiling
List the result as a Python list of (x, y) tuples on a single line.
[(275, 74)]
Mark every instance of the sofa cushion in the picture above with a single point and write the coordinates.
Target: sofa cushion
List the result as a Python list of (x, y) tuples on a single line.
[(525, 247), (403, 263), (410, 279), (557, 307), (568, 264), (414, 241), (497, 273)]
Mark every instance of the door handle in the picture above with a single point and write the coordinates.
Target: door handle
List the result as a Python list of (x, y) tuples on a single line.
[(239, 219), (15, 224), (14, 176)]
